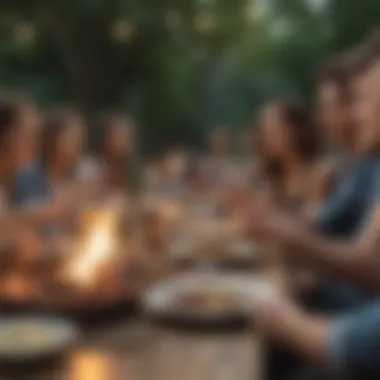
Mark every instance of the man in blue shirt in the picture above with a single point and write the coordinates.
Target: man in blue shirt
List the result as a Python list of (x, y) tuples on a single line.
[(347, 344)]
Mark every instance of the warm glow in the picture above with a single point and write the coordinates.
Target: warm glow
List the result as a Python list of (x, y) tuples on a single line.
[(172, 19), (91, 365), (95, 248), (26, 33), (205, 23), (123, 31)]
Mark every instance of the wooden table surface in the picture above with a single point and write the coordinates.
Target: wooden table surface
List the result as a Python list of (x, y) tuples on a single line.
[(137, 350)]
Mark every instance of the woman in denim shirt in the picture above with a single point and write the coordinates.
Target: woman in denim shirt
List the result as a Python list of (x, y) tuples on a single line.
[(46, 185)]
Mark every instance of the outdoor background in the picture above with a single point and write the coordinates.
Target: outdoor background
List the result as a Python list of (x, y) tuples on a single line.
[(179, 67)]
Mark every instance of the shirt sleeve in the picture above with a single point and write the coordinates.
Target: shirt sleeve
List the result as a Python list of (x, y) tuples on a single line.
[(29, 187), (354, 344), (376, 186), (336, 214)]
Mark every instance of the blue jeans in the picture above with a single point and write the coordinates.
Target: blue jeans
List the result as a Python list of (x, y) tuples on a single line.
[(354, 345), (329, 298)]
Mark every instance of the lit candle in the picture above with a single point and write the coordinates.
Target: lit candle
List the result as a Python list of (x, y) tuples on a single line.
[(91, 365)]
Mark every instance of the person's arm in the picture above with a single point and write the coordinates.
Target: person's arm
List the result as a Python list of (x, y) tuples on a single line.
[(336, 215), (356, 260), (33, 215), (280, 321), (320, 187), (39, 212), (351, 260), (347, 345)]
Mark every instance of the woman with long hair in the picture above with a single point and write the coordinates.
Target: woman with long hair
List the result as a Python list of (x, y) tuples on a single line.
[(289, 154), (49, 189), (61, 146)]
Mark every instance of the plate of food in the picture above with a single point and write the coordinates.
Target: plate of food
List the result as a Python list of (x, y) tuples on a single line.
[(206, 298), (29, 338), (235, 252)]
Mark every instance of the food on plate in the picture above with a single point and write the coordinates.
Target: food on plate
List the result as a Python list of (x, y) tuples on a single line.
[(19, 337), (207, 301), (238, 249)]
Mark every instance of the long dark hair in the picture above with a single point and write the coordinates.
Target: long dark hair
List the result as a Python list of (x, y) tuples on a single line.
[(306, 139), (11, 107), (55, 124)]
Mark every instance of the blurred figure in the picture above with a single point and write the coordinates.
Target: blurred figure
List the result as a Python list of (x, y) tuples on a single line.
[(249, 166), (349, 210), (29, 131), (218, 167), (335, 100), (167, 175), (20, 176), (61, 144), (176, 162), (194, 175), (113, 164), (219, 144), (352, 214), (247, 143), (335, 103), (48, 191), (290, 164), (61, 147), (17, 139), (342, 215), (290, 148)]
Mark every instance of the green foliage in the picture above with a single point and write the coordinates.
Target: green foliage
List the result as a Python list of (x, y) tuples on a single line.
[(178, 66)]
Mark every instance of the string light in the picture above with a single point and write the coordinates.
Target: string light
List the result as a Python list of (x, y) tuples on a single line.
[(256, 11), (25, 33), (123, 31), (205, 23), (173, 19)]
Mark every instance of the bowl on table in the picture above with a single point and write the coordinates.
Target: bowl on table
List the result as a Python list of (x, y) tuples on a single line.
[(26, 340), (206, 299)]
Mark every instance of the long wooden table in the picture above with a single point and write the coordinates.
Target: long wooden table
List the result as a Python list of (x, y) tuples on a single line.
[(139, 350)]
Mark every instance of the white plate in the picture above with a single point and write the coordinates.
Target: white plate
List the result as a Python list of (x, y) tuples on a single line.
[(161, 299), (32, 338), (237, 250)]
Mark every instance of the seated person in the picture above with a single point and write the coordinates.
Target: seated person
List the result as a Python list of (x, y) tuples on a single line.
[(218, 167), (357, 260), (113, 165), (353, 260), (167, 176), (292, 173), (42, 191), (344, 347), (289, 155)]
